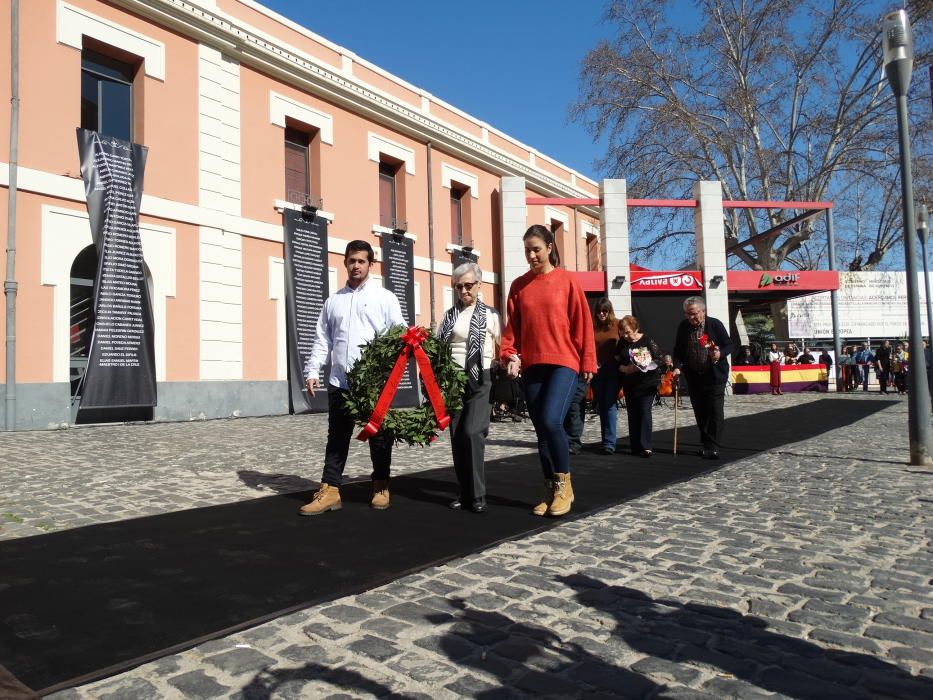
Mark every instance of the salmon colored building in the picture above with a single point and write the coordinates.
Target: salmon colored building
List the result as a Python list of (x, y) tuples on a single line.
[(244, 113)]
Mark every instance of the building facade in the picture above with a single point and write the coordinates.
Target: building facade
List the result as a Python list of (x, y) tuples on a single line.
[(244, 114)]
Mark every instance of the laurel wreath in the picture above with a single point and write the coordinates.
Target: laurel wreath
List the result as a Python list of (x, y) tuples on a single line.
[(365, 381)]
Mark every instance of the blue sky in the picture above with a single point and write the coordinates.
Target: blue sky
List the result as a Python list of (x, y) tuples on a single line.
[(514, 65)]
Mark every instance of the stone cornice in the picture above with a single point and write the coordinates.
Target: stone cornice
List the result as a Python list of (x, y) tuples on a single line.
[(260, 51)]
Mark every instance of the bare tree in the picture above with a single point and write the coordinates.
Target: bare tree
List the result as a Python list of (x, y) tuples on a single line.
[(780, 100)]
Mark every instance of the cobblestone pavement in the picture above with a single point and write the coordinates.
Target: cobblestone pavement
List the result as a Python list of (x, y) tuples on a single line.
[(799, 572)]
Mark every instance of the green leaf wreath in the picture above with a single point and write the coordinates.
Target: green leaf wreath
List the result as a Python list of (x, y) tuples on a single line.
[(415, 426)]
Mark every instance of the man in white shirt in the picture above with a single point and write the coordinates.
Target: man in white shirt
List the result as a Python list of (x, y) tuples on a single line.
[(350, 317)]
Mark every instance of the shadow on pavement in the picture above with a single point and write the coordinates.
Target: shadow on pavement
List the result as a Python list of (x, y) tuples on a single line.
[(743, 647), (278, 483)]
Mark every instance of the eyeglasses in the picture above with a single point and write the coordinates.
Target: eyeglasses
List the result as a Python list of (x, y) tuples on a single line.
[(602, 312), (465, 286)]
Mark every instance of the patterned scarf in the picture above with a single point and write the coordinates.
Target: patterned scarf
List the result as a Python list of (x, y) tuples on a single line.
[(475, 338)]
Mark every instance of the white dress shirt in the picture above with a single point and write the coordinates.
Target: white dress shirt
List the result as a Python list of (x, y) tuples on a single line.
[(350, 318)]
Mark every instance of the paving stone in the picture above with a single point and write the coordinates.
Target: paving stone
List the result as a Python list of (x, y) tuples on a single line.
[(418, 613), (319, 630), (846, 611), (197, 685), (919, 640), (666, 672), (306, 653), (128, 689), (795, 684), (238, 661), (842, 639), (922, 656), (374, 648), (914, 623), (842, 624), (546, 685), (347, 614), (448, 646), (620, 681), (898, 685), (468, 686)]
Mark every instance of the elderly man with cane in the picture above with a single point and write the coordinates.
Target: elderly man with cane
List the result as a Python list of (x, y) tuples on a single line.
[(701, 352)]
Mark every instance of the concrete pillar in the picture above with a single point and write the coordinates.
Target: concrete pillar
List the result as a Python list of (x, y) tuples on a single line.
[(710, 226), (613, 236), (514, 225)]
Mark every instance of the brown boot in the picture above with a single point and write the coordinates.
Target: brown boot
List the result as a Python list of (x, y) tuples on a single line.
[(325, 498), (542, 507), (563, 495), (380, 499)]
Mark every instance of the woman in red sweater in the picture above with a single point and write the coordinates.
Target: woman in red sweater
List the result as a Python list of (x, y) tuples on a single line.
[(549, 340)]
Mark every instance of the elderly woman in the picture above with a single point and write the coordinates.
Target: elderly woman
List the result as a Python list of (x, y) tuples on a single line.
[(473, 331)]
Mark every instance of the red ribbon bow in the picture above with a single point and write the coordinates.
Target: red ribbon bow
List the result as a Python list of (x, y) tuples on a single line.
[(413, 338)]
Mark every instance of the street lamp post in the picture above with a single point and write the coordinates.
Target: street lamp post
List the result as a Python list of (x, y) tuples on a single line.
[(898, 63)]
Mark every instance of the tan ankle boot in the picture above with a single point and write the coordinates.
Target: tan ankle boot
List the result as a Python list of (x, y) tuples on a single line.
[(325, 498), (542, 507), (563, 495), (380, 499)]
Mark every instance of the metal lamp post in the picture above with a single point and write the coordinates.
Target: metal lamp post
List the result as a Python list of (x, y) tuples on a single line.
[(898, 63)]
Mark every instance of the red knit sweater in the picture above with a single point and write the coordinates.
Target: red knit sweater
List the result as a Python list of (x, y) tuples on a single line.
[(549, 322)]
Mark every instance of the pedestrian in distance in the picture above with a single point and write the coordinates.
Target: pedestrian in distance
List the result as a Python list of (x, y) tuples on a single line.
[(350, 318), (882, 361), (775, 359), (864, 361), (606, 382), (548, 339), (743, 358), (827, 361), (701, 353), (472, 330), (639, 360)]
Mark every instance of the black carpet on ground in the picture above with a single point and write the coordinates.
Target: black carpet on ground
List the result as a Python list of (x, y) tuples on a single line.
[(85, 603)]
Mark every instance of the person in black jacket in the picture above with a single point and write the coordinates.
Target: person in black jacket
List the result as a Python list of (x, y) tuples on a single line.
[(701, 352), (639, 359)]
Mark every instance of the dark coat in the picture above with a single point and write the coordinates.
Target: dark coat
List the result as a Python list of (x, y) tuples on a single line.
[(719, 335)]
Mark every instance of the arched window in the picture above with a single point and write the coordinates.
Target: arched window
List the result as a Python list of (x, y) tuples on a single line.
[(81, 322), (81, 318)]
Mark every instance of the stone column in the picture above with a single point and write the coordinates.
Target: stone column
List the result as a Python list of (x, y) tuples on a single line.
[(710, 227), (613, 236), (514, 224)]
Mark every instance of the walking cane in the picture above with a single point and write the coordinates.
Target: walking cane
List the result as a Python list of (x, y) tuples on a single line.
[(676, 406)]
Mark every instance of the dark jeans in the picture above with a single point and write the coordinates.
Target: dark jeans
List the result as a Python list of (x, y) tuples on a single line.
[(573, 423), (548, 390), (884, 376), (605, 394), (340, 430), (469, 428), (639, 421), (708, 401)]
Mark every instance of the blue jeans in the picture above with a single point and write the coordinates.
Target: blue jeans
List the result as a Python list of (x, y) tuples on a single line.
[(575, 420), (548, 389), (605, 394)]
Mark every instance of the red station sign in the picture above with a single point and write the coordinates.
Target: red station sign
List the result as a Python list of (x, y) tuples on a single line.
[(774, 280), (667, 281)]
